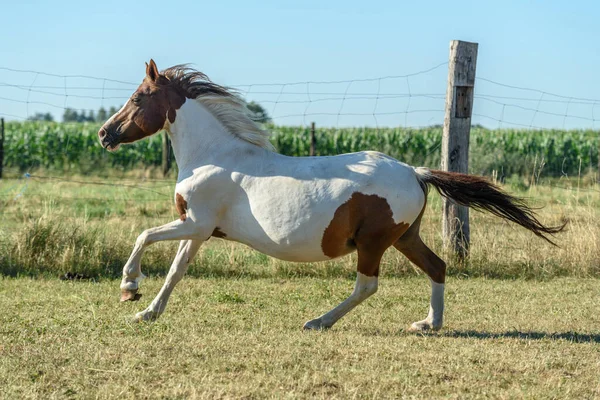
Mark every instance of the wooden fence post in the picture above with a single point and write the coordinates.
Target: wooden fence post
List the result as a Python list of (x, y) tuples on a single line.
[(1, 145), (313, 140), (455, 139), (166, 154)]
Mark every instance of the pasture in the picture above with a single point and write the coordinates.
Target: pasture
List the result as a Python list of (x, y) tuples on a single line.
[(85, 228), (242, 338), (88, 225), (520, 319)]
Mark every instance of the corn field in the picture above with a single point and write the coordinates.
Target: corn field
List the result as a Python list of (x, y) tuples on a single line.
[(74, 147)]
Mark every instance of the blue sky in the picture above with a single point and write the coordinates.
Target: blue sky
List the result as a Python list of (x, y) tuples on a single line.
[(551, 46)]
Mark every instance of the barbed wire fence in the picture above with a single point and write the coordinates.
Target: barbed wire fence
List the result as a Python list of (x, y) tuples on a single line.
[(408, 103)]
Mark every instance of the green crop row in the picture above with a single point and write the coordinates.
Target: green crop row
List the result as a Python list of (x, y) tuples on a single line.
[(70, 147), (74, 147)]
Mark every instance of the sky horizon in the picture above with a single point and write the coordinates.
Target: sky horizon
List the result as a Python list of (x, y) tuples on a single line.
[(338, 64)]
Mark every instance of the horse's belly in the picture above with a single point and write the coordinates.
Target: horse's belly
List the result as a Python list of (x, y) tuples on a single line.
[(301, 243), (306, 252)]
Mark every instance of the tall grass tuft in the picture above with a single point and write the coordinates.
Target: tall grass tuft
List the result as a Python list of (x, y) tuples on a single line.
[(54, 242)]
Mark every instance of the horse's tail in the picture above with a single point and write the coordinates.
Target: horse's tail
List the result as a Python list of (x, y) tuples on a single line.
[(478, 193)]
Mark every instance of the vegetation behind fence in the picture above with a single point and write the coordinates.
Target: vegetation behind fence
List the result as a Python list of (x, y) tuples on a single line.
[(74, 147)]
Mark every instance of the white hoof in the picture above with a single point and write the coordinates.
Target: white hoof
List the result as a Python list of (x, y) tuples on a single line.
[(425, 325), (315, 325), (146, 315)]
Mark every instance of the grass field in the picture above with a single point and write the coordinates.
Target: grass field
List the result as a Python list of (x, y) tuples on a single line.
[(242, 338), (521, 318), (87, 225)]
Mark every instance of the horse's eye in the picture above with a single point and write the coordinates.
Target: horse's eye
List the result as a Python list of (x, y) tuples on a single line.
[(136, 99)]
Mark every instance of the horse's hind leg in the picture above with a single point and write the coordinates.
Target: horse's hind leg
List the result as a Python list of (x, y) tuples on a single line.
[(185, 254), (411, 245), (365, 286)]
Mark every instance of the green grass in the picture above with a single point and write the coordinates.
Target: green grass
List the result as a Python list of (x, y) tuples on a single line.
[(55, 227), (242, 338), (233, 326)]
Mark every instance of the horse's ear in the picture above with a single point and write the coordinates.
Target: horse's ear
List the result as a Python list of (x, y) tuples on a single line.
[(152, 71)]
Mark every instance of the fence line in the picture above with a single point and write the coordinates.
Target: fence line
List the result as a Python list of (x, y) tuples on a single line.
[(364, 96), (331, 82), (281, 97), (343, 97), (542, 92), (66, 76), (571, 100)]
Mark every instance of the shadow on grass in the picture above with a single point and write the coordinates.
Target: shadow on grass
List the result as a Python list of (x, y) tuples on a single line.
[(574, 337), (569, 336)]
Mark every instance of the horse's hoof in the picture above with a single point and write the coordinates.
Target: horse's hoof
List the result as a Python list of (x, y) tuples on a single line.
[(315, 325), (145, 316), (424, 326), (130, 295)]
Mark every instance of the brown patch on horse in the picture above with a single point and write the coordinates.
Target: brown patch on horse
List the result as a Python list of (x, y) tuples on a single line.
[(364, 223), (181, 206), (411, 245), (218, 233)]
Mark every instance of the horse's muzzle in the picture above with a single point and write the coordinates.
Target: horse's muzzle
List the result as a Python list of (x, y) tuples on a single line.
[(108, 140)]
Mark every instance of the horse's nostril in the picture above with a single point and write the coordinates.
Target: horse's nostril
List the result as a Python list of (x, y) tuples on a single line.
[(102, 133)]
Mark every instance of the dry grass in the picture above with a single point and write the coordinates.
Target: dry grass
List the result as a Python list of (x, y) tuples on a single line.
[(55, 227), (242, 338)]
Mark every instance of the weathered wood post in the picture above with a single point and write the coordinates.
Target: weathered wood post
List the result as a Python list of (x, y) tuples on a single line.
[(313, 140), (455, 140), (166, 154), (1, 145)]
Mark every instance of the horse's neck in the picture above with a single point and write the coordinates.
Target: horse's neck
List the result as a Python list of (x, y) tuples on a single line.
[(198, 138)]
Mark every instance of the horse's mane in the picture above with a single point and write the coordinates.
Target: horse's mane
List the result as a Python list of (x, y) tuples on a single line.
[(222, 102)]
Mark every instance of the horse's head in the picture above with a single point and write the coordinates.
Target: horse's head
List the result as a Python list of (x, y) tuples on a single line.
[(145, 113)]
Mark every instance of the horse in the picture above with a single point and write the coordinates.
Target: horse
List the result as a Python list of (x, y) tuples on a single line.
[(232, 185)]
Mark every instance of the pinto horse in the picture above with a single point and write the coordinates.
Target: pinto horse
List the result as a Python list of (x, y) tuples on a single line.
[(233, 185)]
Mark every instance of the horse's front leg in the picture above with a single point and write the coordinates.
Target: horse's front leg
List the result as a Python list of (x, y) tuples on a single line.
[(185, 254), (176, 230)]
